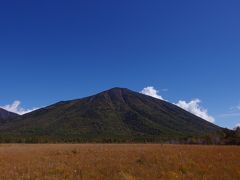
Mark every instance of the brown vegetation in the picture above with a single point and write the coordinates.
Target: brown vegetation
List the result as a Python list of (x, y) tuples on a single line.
[(99, 161)]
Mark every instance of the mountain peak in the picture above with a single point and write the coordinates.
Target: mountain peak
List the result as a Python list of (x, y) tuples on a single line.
[(118, 89), (118, 113)]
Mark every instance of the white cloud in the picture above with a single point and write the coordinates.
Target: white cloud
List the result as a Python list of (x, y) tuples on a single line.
[(192, 106), (230, 114), (165, 90), (195, 108), (16, 108), (151, 91), (235, 108), (234, 112)]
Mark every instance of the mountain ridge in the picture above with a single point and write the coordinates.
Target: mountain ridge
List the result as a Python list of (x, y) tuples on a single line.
[(117, 114)]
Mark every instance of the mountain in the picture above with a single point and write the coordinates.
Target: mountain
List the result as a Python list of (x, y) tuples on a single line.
[(5, 115), (116, 115)]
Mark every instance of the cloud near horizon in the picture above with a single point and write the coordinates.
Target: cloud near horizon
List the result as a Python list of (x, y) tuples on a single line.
[(192, 106), (16, 108), (151, 91)]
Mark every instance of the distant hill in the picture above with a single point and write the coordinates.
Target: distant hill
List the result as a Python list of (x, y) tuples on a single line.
[(116, 115), (5, 115)]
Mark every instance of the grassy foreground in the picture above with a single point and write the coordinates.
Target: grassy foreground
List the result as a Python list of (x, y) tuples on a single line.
[(130, 161)]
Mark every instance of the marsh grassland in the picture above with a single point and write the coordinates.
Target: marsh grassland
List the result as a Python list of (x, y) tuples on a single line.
[(118, 161)]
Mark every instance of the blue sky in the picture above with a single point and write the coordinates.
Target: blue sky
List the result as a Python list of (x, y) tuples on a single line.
[(59, 50)]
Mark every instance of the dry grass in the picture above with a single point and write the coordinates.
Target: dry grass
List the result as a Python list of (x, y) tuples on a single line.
[(96, 161)]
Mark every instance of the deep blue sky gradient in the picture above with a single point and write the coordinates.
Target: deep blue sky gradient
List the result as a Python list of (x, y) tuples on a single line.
[(59, 50)]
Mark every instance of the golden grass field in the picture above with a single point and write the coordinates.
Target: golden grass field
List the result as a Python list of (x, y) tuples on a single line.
[(129, 161)]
